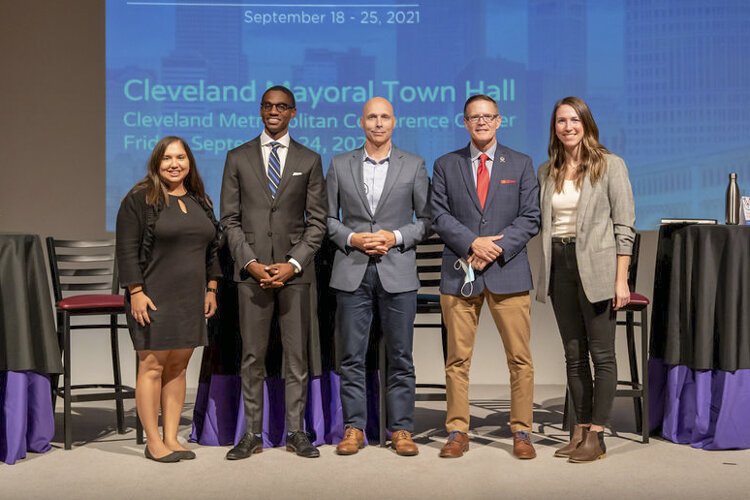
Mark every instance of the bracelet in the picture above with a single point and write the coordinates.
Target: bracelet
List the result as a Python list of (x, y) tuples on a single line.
[(210, 289), (135, 292)]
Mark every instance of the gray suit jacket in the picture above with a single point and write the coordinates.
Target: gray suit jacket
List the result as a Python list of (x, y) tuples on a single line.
[(405, 195), (268, 229), (604, 229)]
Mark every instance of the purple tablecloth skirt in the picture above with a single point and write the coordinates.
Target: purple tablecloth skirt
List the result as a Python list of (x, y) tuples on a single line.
[(27, 422), (219, 417), (707, 409)]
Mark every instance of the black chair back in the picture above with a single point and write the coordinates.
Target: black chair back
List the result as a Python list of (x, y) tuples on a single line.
[(429, 258), (82, 266), (633, 267)]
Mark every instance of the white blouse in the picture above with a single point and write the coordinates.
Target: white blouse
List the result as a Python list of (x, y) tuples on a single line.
[(564, 207)]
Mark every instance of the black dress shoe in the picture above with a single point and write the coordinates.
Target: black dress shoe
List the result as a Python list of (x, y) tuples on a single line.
[(166, 459), (249, 444), (299, 443)]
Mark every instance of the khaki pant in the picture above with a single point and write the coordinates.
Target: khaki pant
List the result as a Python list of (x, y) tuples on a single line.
[(512, 315)]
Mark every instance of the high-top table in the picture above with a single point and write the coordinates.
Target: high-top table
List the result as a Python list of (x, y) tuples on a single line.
[(700, 336), (29, 350)]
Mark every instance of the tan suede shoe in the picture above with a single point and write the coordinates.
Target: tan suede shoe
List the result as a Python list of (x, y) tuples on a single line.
[(457, 445), (354, 440), (522, 447), (403, 443)]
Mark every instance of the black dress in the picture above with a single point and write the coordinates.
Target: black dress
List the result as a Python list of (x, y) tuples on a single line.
[(175, 279)]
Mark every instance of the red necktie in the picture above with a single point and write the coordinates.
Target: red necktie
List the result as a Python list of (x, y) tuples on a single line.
[(483, 179)]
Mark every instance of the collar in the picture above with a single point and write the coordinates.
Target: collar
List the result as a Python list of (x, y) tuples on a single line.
[(265, 139), (474, 152), (367, 159)]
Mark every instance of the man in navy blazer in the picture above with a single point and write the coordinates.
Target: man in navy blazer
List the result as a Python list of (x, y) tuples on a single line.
[(377, 213), (485, 207)]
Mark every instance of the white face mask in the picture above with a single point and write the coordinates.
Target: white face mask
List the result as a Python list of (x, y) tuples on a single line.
[(468, 276)]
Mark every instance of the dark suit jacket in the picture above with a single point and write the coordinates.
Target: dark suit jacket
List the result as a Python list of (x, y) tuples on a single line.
[(268, 229), (511, 209), (405, 194)]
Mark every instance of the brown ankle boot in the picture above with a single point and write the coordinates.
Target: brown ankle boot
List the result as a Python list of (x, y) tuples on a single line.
[(354, 440), (591, 449), (579, 432)]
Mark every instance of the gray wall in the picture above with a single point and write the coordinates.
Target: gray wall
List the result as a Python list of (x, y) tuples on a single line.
[(52, 136)]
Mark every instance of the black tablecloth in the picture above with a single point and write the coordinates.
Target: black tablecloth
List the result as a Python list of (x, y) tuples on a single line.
[(28, 340), (701, 311)]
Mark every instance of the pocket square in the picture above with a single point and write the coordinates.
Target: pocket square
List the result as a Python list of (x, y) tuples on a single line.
[(508, 181), (295, 174)]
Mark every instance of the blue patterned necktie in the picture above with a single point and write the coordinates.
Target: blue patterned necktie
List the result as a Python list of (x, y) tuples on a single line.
[(274, 168)]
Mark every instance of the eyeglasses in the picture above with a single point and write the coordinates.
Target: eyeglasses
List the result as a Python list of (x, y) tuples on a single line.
[(282, 106), (476, 118)]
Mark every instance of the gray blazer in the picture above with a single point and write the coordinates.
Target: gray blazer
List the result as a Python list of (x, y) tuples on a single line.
[(405, 195), (604, 229)]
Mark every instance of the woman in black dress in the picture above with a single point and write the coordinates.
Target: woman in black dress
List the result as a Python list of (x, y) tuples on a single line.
[(167, 238)]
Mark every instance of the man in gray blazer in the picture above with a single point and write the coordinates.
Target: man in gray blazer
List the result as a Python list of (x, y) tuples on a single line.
[(273, 205), (377, 213)]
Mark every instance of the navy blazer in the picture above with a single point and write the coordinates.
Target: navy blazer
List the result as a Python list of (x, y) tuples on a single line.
[(511, 209)]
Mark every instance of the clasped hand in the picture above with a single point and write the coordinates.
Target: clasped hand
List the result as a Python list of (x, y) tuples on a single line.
[(271, 275), (484, 251), (374, 243)]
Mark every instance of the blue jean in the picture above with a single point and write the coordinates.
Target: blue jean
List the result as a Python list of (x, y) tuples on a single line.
[(354, 314)]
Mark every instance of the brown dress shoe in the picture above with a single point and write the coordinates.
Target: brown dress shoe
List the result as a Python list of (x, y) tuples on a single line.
[(579, 432), (457, 445), (354, 440), (522, 447), (590, 450), (403, 443)]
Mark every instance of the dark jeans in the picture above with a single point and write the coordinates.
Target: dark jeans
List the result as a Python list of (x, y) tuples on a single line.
[(585, 328), (354, 313)]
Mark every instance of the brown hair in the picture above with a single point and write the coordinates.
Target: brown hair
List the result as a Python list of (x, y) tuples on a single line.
[(593, 162), (156, 191)]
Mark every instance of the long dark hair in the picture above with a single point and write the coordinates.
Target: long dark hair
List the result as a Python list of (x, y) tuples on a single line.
[(156, 190), (593, 162)]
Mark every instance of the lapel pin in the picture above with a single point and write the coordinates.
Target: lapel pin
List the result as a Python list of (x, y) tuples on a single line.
[(502, 159)]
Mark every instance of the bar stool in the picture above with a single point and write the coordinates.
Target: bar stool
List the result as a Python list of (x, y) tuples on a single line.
[(88, 266)]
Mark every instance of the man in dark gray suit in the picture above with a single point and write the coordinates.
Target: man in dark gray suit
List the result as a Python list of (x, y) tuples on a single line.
[(374, 194), (273, 204)]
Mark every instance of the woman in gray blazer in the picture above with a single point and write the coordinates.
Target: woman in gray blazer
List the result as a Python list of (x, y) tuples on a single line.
[(587, 239)]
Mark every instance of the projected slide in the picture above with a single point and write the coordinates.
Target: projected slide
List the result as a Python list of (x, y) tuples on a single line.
[(667, 81)]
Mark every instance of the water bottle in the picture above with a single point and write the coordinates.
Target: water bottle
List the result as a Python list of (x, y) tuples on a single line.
[(733, 200)]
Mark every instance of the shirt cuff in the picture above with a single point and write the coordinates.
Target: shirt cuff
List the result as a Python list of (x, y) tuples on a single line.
[(349, 239), (399, 238), (250, 262), (297, 267)]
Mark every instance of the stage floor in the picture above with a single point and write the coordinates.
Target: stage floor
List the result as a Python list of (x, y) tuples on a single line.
[(104, 464)]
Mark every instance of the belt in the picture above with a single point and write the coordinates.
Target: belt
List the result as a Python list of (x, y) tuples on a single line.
[(565, 240)]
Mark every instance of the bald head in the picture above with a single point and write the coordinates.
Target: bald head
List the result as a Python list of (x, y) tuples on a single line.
[(378, 122)]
